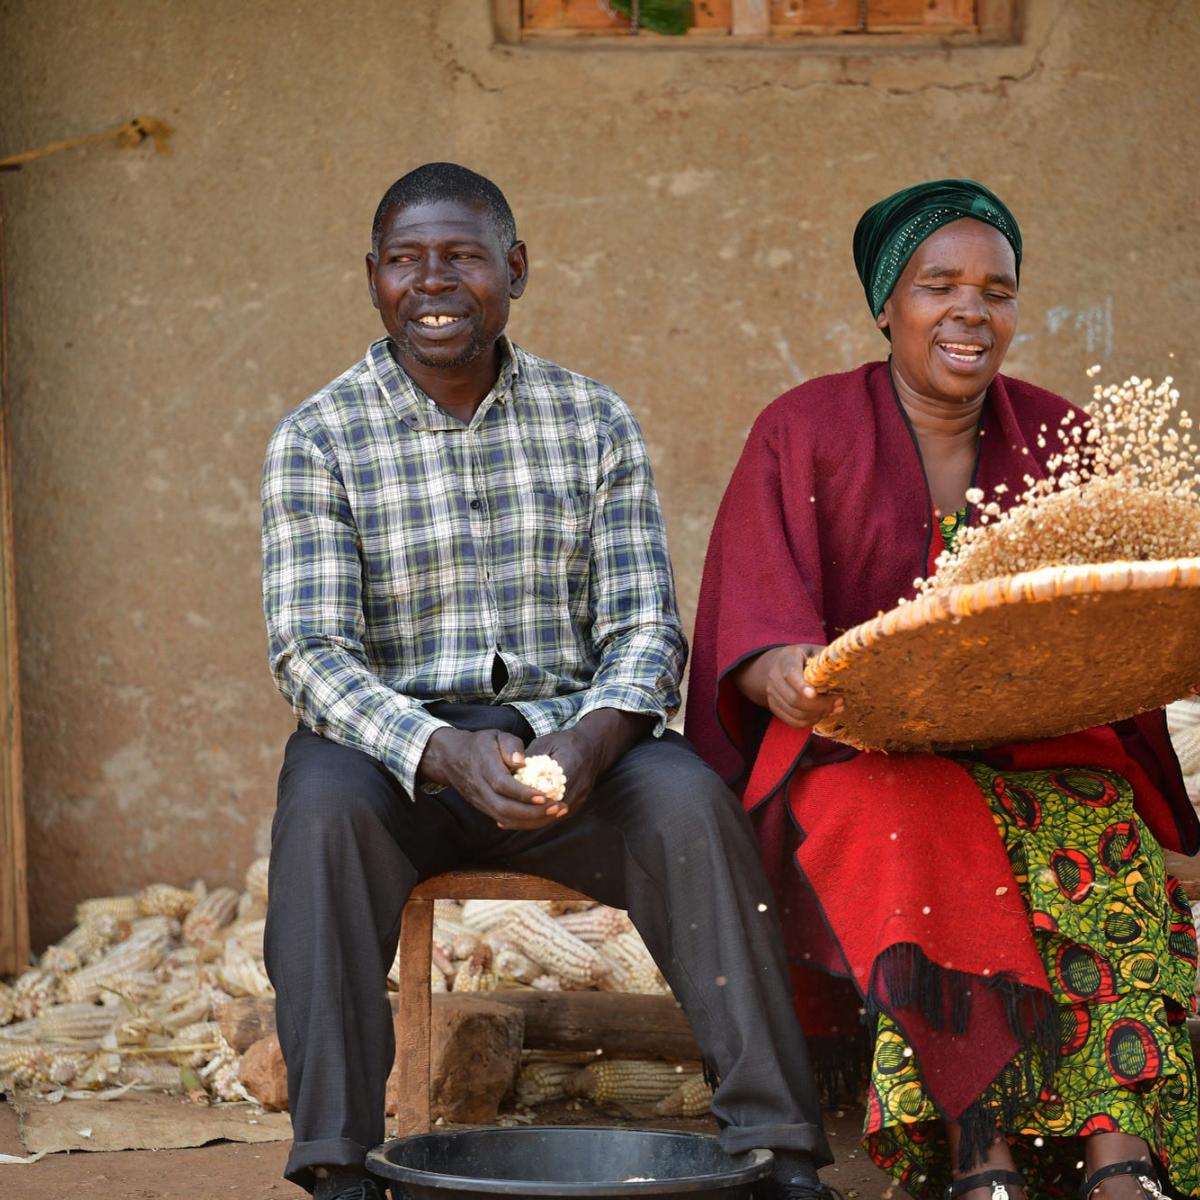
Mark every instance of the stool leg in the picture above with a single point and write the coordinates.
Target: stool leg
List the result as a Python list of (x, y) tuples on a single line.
[(413, 1018)]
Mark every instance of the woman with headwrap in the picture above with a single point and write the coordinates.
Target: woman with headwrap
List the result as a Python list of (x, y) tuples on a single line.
[(1023, 961)]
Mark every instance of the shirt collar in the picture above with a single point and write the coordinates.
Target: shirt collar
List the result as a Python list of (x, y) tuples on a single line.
[(414, 407)]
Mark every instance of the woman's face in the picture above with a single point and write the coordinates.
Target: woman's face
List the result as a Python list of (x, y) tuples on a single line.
[(953, 311)]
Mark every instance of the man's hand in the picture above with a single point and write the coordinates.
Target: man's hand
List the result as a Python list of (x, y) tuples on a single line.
[(588, 749), (479, 766), (775, 680)]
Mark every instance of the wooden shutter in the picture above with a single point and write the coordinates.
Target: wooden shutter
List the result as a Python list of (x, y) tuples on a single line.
[(546, 15), (920, 16), (815, 16)]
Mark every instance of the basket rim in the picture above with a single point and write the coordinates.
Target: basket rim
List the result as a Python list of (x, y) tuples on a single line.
[(968, 599)]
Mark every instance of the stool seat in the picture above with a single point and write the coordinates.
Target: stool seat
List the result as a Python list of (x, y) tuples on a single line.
[(487, 883), (412, 1022)]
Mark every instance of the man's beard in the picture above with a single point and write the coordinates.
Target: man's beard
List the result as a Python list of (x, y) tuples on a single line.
[(477, 345)]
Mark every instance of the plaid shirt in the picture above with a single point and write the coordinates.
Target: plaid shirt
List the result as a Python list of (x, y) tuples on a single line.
[(403, 550)]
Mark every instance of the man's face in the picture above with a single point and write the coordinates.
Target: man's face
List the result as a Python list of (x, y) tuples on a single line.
[(953, 311), (442, 283)]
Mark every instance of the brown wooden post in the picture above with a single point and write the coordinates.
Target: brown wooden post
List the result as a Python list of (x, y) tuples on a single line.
[(412, 1018), (14, 910)]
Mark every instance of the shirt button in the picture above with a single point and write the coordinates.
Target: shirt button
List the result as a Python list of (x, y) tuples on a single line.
[(476, 504)]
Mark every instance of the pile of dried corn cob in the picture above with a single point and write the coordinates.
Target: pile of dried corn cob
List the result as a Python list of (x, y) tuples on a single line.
[(1124, 487), (128, 996), (481, 945), (126, 999)]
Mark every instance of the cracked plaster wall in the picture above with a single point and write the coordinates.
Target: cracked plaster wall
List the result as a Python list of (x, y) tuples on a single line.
[(688, 217)]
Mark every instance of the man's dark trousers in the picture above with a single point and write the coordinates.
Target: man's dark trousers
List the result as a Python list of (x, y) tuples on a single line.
[(661, 836)]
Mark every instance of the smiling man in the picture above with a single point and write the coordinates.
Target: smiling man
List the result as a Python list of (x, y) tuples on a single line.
[(464, 564)]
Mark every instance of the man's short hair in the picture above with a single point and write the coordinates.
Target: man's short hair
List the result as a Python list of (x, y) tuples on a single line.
[(446, 181)]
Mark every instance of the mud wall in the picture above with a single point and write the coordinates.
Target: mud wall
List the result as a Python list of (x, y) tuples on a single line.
[(688, 216)]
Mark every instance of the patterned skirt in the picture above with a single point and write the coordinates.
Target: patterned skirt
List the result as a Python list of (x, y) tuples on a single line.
[(1119, 945)]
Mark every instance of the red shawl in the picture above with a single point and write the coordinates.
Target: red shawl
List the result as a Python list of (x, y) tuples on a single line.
[(827, 521)]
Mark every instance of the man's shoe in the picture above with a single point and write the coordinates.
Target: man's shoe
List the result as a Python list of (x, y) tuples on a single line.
[(360, 1189), (806, 1191)]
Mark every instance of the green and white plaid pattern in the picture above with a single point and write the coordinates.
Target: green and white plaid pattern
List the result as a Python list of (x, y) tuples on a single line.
[(402, 550)]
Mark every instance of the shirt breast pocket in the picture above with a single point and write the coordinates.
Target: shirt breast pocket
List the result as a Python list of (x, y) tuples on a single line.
[(556, 545)]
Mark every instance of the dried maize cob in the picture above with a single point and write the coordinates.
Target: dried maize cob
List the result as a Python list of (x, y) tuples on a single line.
[(155, 926), (634, 1080), (482, 915), (34, 990), (181, 961), (241, 974), (544, 774), (543, 939), (8, 1003), (65, 1069), (454, 939), (76, 1022), (84, 944), (447, 910), (225, 1084), (547, 983), (60, 960), (540, 1081), (22, 1065), (256, 878), (143, 950), (691, 1098), (477, 974), (121, 908), (18, 1031), (515, 967), (634, 968), (130, 986), (250, 908), (180, 1008), (210, 916), (249, 935), (597, 924), (437, 981), (162, 899), (194, 1043), (643, 983), (628, 951), (101, 1070), (439, 960)]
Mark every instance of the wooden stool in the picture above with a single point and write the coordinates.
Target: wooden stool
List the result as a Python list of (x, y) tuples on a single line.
[(412, 1022)]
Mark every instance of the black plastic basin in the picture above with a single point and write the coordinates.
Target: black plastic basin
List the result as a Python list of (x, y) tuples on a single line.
[(566, 1161)]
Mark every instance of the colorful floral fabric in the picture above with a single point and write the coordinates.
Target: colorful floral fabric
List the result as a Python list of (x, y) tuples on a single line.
[(1119, 945)]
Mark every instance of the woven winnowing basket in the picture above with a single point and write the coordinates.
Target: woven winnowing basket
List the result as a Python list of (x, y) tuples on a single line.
[(1016, 658)]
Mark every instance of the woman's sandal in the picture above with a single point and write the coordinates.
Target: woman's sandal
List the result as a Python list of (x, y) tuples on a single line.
[(1144, 1171), (998, 1180)]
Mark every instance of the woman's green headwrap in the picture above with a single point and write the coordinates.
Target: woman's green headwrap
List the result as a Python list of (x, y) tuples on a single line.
[(889, 232)]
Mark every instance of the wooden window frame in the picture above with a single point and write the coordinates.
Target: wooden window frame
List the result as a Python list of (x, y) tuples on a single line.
[(997, 25)]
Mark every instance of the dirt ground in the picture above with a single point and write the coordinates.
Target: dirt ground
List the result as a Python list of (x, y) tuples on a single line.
[(227, 1170)]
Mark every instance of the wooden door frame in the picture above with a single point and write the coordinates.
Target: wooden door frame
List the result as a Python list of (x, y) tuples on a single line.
[(14, 906)]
